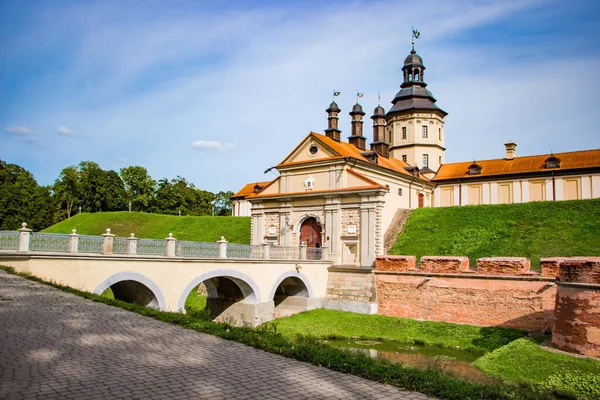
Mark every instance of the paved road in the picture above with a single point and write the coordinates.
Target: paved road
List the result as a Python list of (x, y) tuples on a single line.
[(54, 345)]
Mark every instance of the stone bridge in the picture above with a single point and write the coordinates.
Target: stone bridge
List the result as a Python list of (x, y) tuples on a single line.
[(245, 285)]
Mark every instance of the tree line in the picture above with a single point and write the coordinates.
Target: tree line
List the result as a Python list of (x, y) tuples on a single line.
[(88, 188)]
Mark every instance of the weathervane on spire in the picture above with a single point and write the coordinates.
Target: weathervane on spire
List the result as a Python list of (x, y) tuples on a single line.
[(415, 35), (335, 94), (358, 95)]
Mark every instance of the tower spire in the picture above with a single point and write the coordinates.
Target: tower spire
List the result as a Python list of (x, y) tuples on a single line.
[(415, 35)]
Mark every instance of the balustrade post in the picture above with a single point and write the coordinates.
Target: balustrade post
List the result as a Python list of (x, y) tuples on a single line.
[(222, 247), (74, 242), (107, 246), (171, 245), (132, 244), (266, 251), (303, 250), (24, 234), (325, 253)]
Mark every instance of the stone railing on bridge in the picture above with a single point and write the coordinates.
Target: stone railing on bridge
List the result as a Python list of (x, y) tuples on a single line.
[(24, 240)]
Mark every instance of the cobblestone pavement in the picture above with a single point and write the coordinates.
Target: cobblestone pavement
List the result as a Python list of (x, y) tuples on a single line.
[(54, 345)]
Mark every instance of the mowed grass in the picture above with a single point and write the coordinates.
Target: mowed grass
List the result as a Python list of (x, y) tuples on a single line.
[(157, 226), (331, 324), (526, 363), (532, 230)]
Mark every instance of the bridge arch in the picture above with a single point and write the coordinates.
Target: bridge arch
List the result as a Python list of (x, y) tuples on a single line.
[(249, 289), (292, 274), (148, 289)]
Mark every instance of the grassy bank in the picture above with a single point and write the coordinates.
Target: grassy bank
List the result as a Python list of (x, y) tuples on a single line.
[(331, 324), (532, 230), (157, 226), (536, 367), (308, 349)]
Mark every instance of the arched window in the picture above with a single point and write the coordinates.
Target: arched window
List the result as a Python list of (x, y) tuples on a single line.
[(399, 191), (416, 75)]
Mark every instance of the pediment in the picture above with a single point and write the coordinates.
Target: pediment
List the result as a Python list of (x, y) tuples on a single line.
[(310, 149)]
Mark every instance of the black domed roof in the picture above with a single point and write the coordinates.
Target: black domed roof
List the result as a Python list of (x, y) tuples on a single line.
[(357, 109), (379, 112), (333, 107), (413, 58)]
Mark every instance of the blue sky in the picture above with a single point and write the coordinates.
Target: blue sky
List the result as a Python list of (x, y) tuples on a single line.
[(218, 91)]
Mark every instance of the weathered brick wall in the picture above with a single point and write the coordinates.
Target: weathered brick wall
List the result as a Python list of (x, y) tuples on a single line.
[(351, 285), (502, 292), (577, 314)]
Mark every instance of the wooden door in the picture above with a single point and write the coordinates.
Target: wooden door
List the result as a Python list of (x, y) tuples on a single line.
[(310, 232), (421, 200)]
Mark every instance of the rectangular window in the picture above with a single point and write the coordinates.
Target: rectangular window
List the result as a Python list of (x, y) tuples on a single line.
[(404, 158), (475, 194), (424, 130), (537, 191), (447, 199), (440, 133), (425, 160), (504, 193), (403, 132), (572, 189)]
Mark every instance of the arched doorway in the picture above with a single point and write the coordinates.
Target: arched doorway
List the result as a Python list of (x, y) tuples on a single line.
[(421, 198), (310, 233)]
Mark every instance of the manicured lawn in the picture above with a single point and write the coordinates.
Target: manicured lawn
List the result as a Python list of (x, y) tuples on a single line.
[(533, 230), (157, 226), (331, 324), (526, 363)]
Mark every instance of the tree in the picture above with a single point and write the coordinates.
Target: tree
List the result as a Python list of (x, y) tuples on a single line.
[(223, 205), (139, 187), (67, 190), (100, 190), (177, 195), (22, 199)]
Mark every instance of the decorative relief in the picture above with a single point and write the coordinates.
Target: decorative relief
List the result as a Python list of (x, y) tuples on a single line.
[(309, 183)]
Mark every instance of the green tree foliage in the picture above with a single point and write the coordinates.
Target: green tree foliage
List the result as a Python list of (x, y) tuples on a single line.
[(100, 190), (139, 187), (22, 199), (66, 192), (178, 195), (222, 203)]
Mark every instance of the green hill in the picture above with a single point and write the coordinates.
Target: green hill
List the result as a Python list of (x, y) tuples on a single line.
[(533, 230), (157, 226)]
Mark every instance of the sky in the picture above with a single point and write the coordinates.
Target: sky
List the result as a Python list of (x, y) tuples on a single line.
[(219, 91)]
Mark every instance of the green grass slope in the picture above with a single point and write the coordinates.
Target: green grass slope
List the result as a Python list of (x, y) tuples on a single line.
[(533, 230), (157, 226)]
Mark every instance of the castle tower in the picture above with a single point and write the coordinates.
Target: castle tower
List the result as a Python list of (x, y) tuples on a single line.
[(357, 138), (379, 145), (415, 124), (332, 130)]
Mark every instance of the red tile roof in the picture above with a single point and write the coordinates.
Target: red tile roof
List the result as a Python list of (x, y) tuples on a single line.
[(249, 189), (520, 165)]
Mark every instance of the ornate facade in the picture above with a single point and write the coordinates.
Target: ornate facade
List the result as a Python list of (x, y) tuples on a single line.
[(345, 197)]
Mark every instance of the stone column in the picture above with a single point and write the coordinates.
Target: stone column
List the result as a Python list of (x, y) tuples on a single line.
[(222, 247), (303, 248), (266, 251), (132, 245), (171, 241), (107, 247), (73, 242), (24, 237)]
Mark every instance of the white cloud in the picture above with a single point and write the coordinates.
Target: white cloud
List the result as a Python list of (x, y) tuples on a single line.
[(63, 130), (22, 132), (212, 145)]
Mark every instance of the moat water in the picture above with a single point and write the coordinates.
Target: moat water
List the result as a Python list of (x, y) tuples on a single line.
[(454, 362)]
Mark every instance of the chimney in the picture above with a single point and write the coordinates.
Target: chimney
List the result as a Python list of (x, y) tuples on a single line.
[(332, 130), (510, 150), (379, 145), (357, 139)]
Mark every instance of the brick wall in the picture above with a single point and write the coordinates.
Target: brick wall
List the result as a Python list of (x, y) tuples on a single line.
[(502, 293), (577, 314), (351, 285)]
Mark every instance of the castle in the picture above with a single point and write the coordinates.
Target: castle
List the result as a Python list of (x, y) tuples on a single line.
[(348, 198)]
